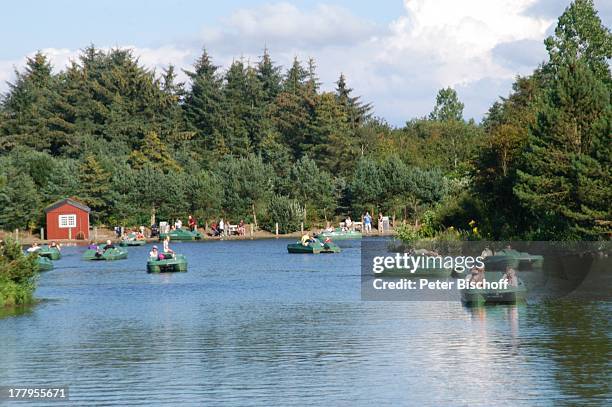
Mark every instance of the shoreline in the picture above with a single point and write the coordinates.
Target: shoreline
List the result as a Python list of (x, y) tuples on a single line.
[(25, 238)]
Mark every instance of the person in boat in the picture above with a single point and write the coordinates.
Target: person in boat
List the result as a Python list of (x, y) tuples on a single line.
[(511, 277), (101, 250), (154, 253), (92, 246), (486, 252), (192, 223), (154, 230), (167, 248), (55, 245), (140, 236), (367, 222), (305, 239), (34, 248), (241, 228)]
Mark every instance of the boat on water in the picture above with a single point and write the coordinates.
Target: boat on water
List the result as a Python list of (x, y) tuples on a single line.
[(102, 253), (132, 242), (44, 264), (181, 234), (51, 253), (315, 247), (170, 263), (489, 296), (339, 234), (513, 258)]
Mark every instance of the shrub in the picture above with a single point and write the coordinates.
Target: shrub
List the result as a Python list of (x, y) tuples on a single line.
[(18, 274), (287, 212)]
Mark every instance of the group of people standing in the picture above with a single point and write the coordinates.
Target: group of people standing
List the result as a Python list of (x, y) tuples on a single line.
[(222, 229), (367, 223)]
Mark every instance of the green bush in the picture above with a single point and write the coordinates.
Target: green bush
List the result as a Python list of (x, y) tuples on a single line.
[(287, 212), (18, 274)]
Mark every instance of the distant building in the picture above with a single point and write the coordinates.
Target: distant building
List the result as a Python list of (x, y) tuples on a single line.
[(67, 219)]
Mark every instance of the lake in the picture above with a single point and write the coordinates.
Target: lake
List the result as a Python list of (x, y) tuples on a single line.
[(250, 324)]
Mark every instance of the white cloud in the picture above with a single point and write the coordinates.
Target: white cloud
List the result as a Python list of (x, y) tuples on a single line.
[(459, 35), (466, 44), (284, 25)]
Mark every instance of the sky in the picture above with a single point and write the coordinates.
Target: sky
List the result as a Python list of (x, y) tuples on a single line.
[(395, 54)]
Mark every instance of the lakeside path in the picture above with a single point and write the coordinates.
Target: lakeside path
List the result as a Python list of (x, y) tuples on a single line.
[(25, 238)]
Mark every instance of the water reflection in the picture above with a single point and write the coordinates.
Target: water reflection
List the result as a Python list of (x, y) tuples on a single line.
[(578, 341)]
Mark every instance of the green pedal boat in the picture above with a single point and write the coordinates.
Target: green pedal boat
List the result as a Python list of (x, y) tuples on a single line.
[(339, 234), (171, 263), (51, 253), (132, 242), (44, 264), (181, 234), (114, 253), (489, 296), (313, 248)]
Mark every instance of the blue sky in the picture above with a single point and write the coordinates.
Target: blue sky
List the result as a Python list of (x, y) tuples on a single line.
[(396, 54)]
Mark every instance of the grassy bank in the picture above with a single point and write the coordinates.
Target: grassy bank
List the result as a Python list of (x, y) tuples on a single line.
[(18, 274)]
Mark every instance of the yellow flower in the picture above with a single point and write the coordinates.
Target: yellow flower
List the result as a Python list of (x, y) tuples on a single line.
[(472, 222), (475, 230)]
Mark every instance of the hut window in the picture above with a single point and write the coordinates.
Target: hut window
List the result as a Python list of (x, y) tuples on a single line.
[(67, 221)]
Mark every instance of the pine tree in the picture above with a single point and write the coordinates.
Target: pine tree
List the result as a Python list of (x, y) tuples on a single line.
[(295, 79), (331, 143), (94, 189), (169, 84), (356, 111), (567, 173), (312, 83), (204, 105), (270, 77), (27, 105), (366, 187), (312, 187), (20, 204), (238, 108), (153, 151)]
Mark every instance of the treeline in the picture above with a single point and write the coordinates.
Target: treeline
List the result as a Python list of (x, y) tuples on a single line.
[(258, 143), (249, 143)]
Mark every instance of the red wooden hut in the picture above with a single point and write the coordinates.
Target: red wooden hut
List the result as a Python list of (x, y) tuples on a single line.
[(67, 219)]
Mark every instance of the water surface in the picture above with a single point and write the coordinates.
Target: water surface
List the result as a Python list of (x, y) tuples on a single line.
[(250, 324)]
